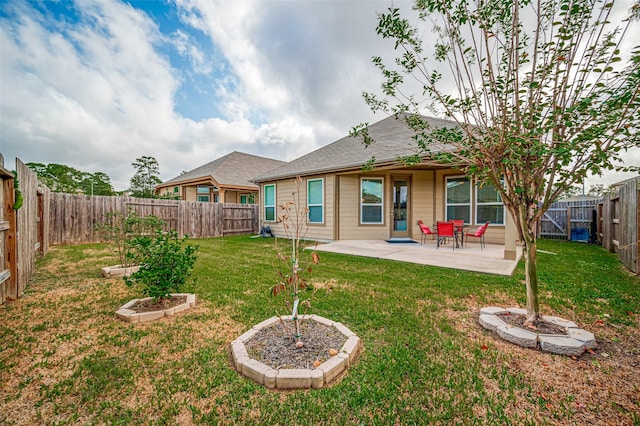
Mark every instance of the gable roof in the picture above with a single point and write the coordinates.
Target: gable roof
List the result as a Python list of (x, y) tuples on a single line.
[(234, 169), (393, 139)]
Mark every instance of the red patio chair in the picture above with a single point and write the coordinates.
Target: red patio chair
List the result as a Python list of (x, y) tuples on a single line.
[(445, 230), (425, 231), (478, 233)]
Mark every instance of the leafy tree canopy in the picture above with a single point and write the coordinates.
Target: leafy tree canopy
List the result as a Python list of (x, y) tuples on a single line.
[(543, 93), (62, 178)]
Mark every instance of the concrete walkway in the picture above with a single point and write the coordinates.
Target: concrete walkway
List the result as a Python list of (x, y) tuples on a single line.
[(471, 258)]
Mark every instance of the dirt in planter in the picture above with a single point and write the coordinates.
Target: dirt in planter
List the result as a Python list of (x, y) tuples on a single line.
[(276, 348), (539, 326), (158, 304)]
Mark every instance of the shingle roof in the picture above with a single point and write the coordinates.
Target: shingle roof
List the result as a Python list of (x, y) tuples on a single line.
[(393, 139), (234, 169)]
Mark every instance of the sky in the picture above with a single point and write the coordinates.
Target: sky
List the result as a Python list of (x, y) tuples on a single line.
[(96, 84)]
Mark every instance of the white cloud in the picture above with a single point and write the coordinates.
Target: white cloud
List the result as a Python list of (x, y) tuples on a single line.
[(98, 93)]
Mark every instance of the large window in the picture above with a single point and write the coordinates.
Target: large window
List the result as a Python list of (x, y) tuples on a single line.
[(459, 199), (371, 200), (315, 200), (489, 205), (270, 202)]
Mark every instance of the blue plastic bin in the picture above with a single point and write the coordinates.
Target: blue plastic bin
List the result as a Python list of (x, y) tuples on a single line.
[(580, 234)]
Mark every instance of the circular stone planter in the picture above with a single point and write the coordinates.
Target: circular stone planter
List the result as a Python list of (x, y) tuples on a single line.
[(119, 271), (129, 315), (575, 342), (295, 378)]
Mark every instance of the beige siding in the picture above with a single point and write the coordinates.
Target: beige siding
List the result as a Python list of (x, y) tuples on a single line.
[(284, 192), (427, 202), (422, 200), (190, 193), (350, 227), (231, 197)]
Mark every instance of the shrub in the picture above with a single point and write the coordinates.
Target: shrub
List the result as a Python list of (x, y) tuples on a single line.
[(165, 266), (127, 235)]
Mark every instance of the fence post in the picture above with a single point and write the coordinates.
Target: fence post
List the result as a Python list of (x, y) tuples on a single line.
[(10, 241), (568, 223)]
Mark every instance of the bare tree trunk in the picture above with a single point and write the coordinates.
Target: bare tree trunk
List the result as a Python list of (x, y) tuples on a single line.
[(531, 279)]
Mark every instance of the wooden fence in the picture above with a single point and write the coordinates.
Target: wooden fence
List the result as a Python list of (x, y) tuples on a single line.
[(619, 224), (73, 217), (23, 229), (568, 219)]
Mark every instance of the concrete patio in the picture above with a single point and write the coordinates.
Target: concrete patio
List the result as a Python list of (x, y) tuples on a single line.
[(489, 260)]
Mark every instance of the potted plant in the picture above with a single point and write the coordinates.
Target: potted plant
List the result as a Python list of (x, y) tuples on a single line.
[(126, 236)]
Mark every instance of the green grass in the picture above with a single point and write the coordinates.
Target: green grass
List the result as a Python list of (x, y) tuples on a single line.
[(67, 359)]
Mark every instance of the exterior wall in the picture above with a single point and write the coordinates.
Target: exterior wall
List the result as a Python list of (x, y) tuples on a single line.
[(342, 199), (495, 234), (284, 192), (190, 193), (231, 197)]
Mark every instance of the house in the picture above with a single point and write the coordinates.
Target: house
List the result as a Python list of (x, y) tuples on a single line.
[(225, 180), (346, 202)]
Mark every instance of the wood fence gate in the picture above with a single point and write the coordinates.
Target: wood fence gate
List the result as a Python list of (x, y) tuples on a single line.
[(570, 219)]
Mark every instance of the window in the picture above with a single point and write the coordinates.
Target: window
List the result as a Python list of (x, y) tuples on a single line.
[(175, 189), (204, 198), (315, 200), (203, 189), (270, 202), (489, 205), (459, 199), (243, 199), (371, 200)]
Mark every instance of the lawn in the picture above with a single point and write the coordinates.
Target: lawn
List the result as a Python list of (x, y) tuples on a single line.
[(66, 359)]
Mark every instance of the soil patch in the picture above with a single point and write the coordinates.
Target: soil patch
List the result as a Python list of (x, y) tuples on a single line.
[(538, 326), (275, 346), (152, 305)]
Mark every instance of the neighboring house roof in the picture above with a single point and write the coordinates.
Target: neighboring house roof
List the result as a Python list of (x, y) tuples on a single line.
[(393, 139), (236, 169)]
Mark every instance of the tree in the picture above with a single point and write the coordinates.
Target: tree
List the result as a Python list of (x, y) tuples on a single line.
[(97, 184), (145, 178), (62, 178), (539, 90)]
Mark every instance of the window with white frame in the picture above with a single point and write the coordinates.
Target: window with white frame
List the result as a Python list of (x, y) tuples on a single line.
[(489, 205), (270, 203), (458, 197), (371, 200), (315, 200)]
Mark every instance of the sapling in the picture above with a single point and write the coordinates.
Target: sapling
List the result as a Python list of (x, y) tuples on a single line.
[(295, 222)]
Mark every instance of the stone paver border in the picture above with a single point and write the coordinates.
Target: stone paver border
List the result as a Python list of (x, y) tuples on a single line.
[(119, 271), (129, 315), (575, 342), (295, 378)]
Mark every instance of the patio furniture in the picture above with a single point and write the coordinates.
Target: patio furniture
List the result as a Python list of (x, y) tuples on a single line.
[(445, 230), (458, 228), (479, 233), (425, 231)]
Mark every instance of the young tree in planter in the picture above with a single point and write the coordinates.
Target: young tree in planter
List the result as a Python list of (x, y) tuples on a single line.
[(165, 265), (543, 92), (295, 221)]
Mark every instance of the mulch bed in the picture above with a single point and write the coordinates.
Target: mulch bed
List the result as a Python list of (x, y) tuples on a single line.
[(539, 326), (275, 346), (152, 305)]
